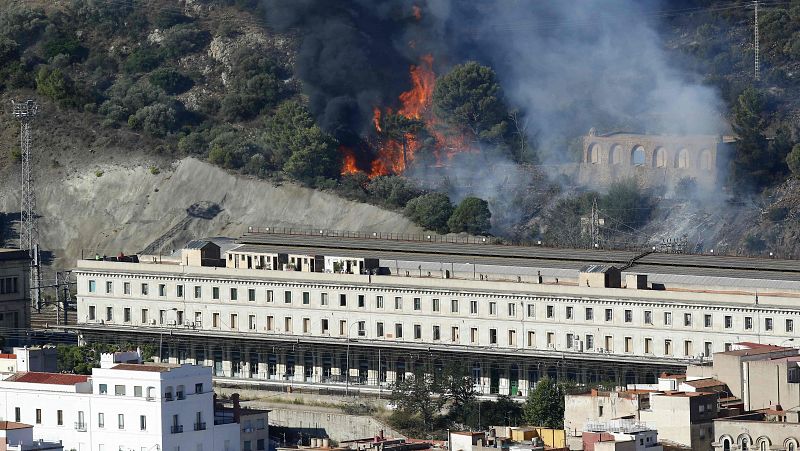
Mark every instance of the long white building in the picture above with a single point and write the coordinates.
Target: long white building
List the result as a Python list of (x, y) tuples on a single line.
[(367, 311), (121, 407)]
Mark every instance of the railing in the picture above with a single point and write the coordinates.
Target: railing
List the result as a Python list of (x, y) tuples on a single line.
[(176, 429), (429, 237), (200, 426), (80, 427)]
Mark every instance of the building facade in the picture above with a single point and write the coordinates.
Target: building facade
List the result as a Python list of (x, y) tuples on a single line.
[(121, 407), (510, 324), (15, 297)]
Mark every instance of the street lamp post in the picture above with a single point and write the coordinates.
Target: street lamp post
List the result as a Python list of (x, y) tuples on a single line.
[(347, 375)]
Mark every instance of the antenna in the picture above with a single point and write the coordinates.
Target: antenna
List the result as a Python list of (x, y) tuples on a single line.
[(757, 67), (28, 232)]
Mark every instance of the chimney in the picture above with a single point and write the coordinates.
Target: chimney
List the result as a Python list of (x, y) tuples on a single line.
[(237, 408)]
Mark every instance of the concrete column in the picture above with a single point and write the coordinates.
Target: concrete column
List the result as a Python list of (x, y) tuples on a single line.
[(263, 366), (227, 368), (317, 378), (504, 386), (280, 364)]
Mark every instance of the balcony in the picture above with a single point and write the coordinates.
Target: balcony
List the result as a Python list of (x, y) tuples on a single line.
[(200, 426), (176, 428), (80, 427)]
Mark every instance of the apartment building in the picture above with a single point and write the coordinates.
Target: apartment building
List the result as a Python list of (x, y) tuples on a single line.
[(14, 288), (374, 310), (121, 406)]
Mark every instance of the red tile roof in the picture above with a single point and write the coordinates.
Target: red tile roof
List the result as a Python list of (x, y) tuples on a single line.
[(49, 378), (704, 383), (8, 356), (9, 425)]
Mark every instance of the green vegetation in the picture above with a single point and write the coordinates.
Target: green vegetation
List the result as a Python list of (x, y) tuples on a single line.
[(793, 160), (81, 359), (431, 211), (471, 216), (545, 404)]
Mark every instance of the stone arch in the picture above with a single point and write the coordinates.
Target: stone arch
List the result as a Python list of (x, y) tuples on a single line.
[(705, 160), (615, 155), (763, 443), (727, 442), (638, 155), (790, 444), (745, 442), (593, 156), (682, 159), (660, 158)]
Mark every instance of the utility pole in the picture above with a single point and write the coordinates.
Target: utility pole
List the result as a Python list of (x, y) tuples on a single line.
[(28, 232), (594, 228), (757, 68)]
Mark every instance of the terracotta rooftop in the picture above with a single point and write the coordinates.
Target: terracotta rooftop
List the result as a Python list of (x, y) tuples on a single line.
[(9, 425), (153, 368), (704, 383), (8, 356), (48, 378), (756, 349), (684, 394)]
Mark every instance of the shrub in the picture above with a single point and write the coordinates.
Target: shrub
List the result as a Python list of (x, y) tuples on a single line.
[(793, 160), (144, 59), (181, 40), (156, 120), (193, 143), (61, 44), (170, 80), (98, 173), (472, 216), (776, 214), (55, 84), (154, 170), (393, 191), (430, 211), (170, 17)]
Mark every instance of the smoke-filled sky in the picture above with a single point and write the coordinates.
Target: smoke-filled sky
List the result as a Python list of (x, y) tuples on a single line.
[(568, 65)]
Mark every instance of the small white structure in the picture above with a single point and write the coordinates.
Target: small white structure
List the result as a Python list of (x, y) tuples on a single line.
[(122, 406), (19, 437)]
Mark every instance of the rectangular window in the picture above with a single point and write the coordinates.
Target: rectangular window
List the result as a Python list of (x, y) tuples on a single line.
[(550, 311), (667, 318), (142, 422), (145, 316), (101, 420), (789, 325), (707, 351), (609, 343), (103, 389), (234, 294), (137, 391), (92, 286), (398, 330), (126, 314), (512, 310), (398, 303), (748, 322), (179, 291), (455, 337), (119, 390), (198, 292), (417, 304), (109, 287), (271, 296), (323, 299), (628, 316), (609, 314), (17, 415), (362, 301), (568, 312), (162, 316), (38, 416), (628, 344), (687, 348), (306, 298), (121, 421), (728, 321), (215, 293), (145, 289), (379, 302), (287, 324), (687, 319), (473, 307), (492, 336), (198, 319), (324, 326), (570, 341), (270, 323), (251, 295), (251, 322), (126, 288), (109, 314), (551, 340), (287, 297), (417, 331), (379, 329), (648, 317), (493, 308), (179, 317), (512, 337), (342, 300), (648, 345), (162, 290), (60, 417), (454, 306), (436, 334), (707, 320), (435, 305), (588, 314), (234, 321), (531, 310), (768, 324), (215, 320), (473, 335), (92, 312), (531, 339), (589, 342), (306, 325), (667, 347)]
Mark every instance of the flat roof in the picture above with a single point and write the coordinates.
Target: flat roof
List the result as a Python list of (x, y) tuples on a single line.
[(526, 256), (152, 368), (13, 254), (32, 377)]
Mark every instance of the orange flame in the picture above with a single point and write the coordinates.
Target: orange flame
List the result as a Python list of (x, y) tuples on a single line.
[(376, 119), (348, 161), (417, 12), (418, 99)]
